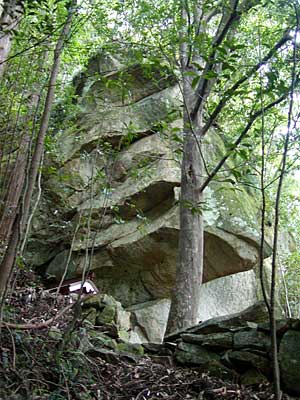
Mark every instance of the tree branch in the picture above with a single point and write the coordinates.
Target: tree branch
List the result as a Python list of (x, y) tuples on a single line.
[(252, 119), (201, 90), (40, 325), (230, 92)]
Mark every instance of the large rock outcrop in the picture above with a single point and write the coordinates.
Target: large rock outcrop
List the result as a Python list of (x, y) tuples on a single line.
[(116, 184)]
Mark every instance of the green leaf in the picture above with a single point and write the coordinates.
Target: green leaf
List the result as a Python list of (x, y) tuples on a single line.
[(243, 154), (226, 66), (195, 82), (211, 75), (198, 66), (190, 73), (229, 180)]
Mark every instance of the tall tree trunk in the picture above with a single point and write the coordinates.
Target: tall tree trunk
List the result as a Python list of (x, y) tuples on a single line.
[(283, 168), (9, 258), (17, 179), (186, 294), (11, 251), (39, 148), (15, 187), (9, 21)]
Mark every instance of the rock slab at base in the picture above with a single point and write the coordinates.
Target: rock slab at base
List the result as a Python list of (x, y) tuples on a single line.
[(289, 356), (242, 344)]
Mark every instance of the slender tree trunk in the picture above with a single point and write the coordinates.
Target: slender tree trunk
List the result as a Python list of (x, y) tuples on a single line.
[(15, 188), (185, 298), (272, 311), (186, 294), (185, 307), (36, 159), (10, 256), (11, 251), (9, 21)]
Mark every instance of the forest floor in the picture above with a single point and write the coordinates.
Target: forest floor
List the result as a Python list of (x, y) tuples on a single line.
[(37, 365)]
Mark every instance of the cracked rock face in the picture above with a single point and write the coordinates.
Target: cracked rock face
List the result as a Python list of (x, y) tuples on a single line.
[(116, 185)]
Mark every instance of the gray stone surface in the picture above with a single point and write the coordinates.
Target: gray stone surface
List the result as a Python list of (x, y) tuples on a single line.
[(227, 295), (192, 354), (117, 178), (223, 340), (252, 339), (251, 317), (243, 347), (289, 356), (244, 360), (152, 318)]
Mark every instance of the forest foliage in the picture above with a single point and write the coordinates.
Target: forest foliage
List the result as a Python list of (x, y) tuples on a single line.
[(236, 62)]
